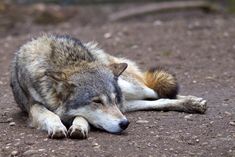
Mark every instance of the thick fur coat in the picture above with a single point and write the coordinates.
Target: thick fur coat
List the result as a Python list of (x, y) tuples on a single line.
[(60, 81)]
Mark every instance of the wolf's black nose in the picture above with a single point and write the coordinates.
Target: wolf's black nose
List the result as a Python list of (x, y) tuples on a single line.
[(124, 124)]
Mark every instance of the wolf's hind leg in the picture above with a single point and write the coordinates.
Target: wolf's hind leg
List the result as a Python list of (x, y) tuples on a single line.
[(79, 128), (187, 104), (193, 103), (189, 97), (136, 91), (44, 119)]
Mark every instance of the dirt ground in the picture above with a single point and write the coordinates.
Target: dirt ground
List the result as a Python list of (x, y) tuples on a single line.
[(199, 48)]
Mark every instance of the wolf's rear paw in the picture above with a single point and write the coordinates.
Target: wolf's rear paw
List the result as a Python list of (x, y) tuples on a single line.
[(57, 131), (194, 104), (78, 132)]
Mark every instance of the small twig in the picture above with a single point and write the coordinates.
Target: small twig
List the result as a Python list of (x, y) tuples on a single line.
[(158, 7)]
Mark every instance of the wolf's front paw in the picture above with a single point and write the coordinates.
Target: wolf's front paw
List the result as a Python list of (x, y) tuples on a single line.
[(57, 131), (194, 104), (78, 132)]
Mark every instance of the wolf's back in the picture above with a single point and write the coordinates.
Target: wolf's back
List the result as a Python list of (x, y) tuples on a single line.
[(55, 50)]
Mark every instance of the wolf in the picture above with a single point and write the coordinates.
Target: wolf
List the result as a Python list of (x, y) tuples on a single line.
[(65, 86)]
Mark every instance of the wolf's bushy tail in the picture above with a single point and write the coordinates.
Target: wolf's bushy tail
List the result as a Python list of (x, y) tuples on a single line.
[(162, 82)]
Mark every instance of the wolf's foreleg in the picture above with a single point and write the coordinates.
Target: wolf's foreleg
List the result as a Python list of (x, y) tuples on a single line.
[(189, 104), (135, 91), (44, 119), (79, 129)]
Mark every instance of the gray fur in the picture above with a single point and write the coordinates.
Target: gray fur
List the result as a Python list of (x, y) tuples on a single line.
[(87, 78)]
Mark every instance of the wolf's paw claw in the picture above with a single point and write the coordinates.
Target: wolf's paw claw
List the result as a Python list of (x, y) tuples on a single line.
[(194, 104), (57, 132), (78, 132)]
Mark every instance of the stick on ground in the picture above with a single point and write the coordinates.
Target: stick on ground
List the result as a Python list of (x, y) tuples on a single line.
[(158, 7)]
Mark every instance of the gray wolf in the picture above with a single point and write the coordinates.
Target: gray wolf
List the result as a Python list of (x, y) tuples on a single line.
[(65, 86)]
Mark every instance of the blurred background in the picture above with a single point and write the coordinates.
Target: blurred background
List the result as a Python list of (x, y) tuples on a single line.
[(20, 16)]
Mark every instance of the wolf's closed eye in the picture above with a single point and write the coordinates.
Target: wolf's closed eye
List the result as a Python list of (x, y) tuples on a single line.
[(97, 100)]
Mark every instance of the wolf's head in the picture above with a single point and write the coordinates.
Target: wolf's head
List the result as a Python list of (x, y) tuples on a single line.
[(92, 91)]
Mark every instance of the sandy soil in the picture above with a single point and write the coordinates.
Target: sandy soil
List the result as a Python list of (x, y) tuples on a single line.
[(198, 48)]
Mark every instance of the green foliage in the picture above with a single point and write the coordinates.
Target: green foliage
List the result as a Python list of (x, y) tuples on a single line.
[(231, 6), (166, 53)]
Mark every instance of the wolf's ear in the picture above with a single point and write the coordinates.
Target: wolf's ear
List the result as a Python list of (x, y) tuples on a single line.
[(56, 75), (118, 68)]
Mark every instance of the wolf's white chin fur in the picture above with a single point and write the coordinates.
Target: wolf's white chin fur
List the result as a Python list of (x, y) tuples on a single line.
[(102, 120), (111, 126)]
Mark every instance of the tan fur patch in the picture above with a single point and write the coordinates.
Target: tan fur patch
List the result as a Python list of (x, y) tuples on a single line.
[(161, 82), (132, 71), (113, 111)]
